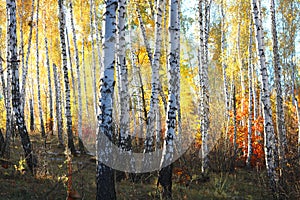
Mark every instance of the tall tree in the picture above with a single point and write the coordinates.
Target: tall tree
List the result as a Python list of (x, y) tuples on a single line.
[(38, 71), (204, 13), (269, 134), (13, 64), (49, 80), (155, 83), (280, 122), (125, 140), (81, 146), (165, 174), (58, 107), (62, 27), (105, 174), (250, 107)]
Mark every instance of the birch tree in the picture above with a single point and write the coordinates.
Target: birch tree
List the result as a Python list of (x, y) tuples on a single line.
[(280, 122), (38, 72), (155, 83), (204, 84), (269, 134), (81, 146), (165, 174), (105, 174), (250, 107), (62, 27), (49, 80), (125, 140), (13, 64), (58, 107)]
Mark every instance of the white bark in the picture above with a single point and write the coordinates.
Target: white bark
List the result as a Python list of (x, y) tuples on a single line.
[(124, 94), (49, 79), (12, 62), (269, 134), (282, 141), (81, 147), (93, 58), (38, 72), (58, 106), (105, 180), (62, 28), (149, 142), (250, 107)]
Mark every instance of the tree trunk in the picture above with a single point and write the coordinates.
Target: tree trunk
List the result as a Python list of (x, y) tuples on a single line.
[(31, 115), (25, 71), (12, 60), (250, 108), (282, 141), (165, 175), (125, 139), (149, 142), (84, 81), (269, 134), (51, 119), (71, 68), (81, 146), (204, 83), (105, 174), (93, 58), (62, 27), (38, 72), (58, 107)]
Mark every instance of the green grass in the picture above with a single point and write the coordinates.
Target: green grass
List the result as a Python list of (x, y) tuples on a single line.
[(48, 183)]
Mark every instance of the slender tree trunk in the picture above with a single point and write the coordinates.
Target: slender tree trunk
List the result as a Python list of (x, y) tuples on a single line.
[(31, 115), (105, 174), (149, 142), (269, 134), (224, 67), (62, 27), (235, 128), (84, 81), (204, 83), (38, 72), (250, 108), (282, 141), (25, 70), (93, 58), (71, 68), (51, 119), (81, 146), (12, 60), (58, 107), (165, 174), (125, 139)]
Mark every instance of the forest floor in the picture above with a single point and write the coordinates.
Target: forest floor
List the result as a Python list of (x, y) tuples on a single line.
[(50, 181)]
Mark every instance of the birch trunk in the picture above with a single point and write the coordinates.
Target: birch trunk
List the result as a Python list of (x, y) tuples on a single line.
[(12, 60), (204, 83), (58, 107), (282, 141), (125, 139), (25, 71), (105, 174), (81, 146), (165, 174), (49, 81), (93, 58), (38, 72), (31, 115), (71, 68), (62, 27), (224, 67), (269, 134), (84, 81), (250, 108)]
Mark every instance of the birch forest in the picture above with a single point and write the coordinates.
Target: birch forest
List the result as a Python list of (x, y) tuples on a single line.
[(154, 99)]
